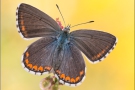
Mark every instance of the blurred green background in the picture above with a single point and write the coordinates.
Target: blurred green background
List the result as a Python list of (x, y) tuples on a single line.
[(116, 72)]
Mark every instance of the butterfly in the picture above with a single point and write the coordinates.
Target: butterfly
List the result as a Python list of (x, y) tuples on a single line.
[(59, 50)]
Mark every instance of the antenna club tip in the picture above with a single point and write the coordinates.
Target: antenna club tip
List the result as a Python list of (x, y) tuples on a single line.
[(57, 6), (91, 21)]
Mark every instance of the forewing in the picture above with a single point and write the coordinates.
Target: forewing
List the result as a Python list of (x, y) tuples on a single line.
[(96, 45), (38, 57), (72, 69), (32, 22)]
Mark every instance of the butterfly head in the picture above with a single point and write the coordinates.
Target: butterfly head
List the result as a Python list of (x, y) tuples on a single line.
[(67, 28)]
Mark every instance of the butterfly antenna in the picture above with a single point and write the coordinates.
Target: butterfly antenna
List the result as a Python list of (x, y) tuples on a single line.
[(82, 23), (61, 14)]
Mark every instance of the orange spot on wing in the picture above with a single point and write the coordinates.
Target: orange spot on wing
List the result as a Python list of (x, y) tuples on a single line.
[(67, 78), (72, 80), (48, 68), (81, 73), (23, 28), (103, 51), (62, 76), (58, 72), (99, 55), (77, 79), (35, 68), (30, 66), (94, 57), (27, 54), (22, 22), (26, 61), (40, 68)]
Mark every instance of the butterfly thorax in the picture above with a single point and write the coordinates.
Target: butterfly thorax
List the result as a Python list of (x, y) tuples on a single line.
[(62, 39)]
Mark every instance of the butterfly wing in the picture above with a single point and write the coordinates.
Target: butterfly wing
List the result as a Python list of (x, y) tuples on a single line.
[(32, 22), (38, 57), (94, 44), (72, 69)]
